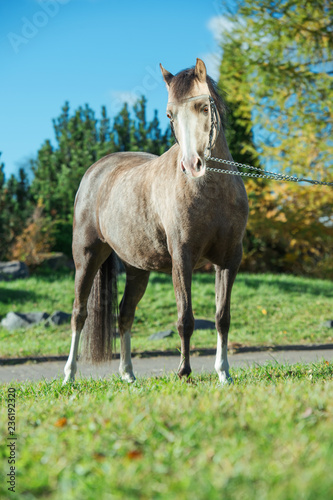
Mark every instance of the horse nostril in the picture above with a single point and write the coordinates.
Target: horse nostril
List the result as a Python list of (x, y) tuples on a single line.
[(199, 164)]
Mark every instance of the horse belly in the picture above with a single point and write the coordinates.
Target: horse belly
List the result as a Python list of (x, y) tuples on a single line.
[(139, 243), (142, 253)]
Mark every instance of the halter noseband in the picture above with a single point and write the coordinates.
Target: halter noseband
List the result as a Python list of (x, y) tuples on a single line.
[(214, 120)]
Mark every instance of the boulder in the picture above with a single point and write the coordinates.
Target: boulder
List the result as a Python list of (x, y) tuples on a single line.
[(35, 317), (55, 261), (161, 335), (204, 324), (15, 320), (58, 318), (199, 324), (13, 270)]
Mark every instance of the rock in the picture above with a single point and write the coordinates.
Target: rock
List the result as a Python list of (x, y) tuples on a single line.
[(200, 324), (328, 324), (55, 261), (13, 270), (161, 335), (35, 317), (58, 318), (204, 324), (15, 320)]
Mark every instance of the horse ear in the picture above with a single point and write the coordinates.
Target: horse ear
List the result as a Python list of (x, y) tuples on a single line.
[(200, 71), (167, 76)]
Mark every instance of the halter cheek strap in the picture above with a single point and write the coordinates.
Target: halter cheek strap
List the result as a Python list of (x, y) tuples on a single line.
[(215, 120), (215, 124), (173, 131)]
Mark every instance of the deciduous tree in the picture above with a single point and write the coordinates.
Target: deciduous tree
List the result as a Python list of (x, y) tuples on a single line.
[(277, 69)]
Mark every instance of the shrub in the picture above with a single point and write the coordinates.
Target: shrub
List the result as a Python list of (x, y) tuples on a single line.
[(36, 239)]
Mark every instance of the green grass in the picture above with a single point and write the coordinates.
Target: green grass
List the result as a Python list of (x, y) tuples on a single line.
[(47, 293), (266, 310), (269, 436)]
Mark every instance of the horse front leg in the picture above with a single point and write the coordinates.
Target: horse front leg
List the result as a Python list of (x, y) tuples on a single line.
[(182, 279), (223, 285)]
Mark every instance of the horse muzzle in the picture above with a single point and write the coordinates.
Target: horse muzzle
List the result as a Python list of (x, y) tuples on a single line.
[(193, 166)]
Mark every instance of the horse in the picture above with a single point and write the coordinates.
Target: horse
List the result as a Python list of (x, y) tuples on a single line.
[(167, 213)]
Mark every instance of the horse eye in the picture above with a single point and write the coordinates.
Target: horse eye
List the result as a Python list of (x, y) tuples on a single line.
[(169, 115), (205, 110)]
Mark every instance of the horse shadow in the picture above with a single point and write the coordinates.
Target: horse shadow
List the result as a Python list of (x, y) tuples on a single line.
[(15, 296)]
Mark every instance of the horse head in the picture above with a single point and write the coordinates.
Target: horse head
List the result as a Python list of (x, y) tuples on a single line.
[(193, 114)]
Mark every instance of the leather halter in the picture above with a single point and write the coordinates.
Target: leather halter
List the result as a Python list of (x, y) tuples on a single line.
[(214, 116)]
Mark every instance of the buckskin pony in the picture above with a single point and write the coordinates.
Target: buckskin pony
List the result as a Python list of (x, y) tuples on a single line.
[(164, 213)]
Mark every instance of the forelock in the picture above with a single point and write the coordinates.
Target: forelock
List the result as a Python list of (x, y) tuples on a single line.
[(182, 84)]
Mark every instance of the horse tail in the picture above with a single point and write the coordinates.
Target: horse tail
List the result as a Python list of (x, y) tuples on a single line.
[(99, 331)]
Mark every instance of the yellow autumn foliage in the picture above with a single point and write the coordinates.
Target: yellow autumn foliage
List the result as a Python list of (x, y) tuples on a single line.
[(290, 228), (35, 240)]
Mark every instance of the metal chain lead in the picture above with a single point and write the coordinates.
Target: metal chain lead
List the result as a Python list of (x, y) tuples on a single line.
[(264, 174)]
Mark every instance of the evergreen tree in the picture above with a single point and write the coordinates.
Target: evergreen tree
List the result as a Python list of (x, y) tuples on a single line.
[(82, 145), (106, 143), (148, 136), (15, 207), (45, 183), (58, 171), (124, 130), (141, 130), (158, 143), (3, 210), (81, 140)]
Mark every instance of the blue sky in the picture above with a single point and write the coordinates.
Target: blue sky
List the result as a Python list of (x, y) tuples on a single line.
[(92, 51)]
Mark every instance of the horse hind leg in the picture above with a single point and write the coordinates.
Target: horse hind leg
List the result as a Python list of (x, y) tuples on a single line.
[(87, 264), (79, 315), (136, 284), (71, 366)]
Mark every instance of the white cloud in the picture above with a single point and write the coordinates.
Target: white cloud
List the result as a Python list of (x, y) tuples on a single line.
[(218, 25), (212, 61), (119, 97)]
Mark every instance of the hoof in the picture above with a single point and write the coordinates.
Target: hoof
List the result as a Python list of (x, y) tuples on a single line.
[(69, 371), (128, 377), (68, 380), (225, 378), (184, 372)]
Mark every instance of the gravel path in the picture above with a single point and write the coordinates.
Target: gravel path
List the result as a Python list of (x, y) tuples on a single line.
[(157, 365)]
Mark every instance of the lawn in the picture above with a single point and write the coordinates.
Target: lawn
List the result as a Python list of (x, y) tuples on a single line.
[(269, 436), (266, 309)]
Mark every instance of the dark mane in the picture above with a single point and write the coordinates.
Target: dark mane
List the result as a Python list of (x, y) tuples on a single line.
[(181, 86)]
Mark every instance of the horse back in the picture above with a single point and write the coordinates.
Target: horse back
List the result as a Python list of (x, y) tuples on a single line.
[(88, 196)]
